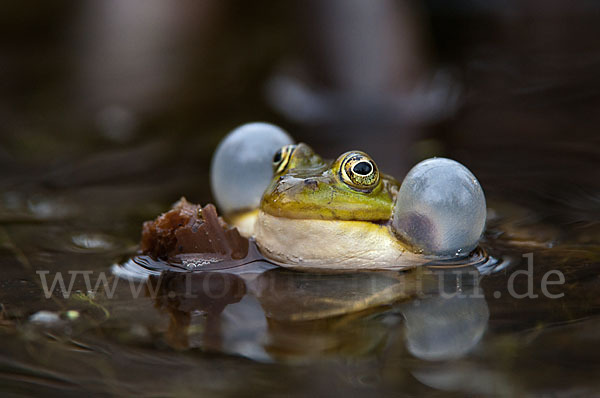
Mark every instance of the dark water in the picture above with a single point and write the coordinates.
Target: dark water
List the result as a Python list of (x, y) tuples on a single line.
[(86, 156)]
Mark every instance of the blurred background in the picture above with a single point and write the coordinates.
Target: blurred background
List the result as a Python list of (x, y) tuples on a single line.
[(141, 91), (110, 111)]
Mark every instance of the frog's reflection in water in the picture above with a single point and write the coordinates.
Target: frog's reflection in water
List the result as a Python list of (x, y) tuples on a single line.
[(185, 295), (294, 316)]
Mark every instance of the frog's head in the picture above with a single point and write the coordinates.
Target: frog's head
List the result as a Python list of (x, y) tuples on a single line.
[(351, 188)]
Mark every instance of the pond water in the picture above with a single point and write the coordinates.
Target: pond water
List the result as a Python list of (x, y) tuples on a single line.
[(519, 318), (258, 327)]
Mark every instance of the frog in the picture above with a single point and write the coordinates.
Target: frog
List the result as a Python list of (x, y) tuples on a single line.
[(344, 214), (329, 214)]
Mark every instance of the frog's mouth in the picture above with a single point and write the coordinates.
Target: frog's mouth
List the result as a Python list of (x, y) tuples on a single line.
[(331, 244)]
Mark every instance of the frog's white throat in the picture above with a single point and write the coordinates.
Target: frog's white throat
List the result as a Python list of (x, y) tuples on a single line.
[(330, 244)]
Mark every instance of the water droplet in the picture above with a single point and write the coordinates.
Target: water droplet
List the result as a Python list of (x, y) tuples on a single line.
[(72, 315), (93, 242), (45, 317)]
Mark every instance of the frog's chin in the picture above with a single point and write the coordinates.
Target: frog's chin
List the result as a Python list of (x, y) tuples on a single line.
[(331, 244)]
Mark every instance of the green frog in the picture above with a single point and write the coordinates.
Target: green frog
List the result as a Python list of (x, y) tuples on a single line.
[(336, 214), (346, 214)]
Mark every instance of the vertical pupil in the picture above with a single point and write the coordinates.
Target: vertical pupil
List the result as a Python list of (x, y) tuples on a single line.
[(362, 168), (277, 157)]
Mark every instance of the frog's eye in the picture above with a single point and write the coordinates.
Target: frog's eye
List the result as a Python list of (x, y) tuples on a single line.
[(282, 157), (359, 171)]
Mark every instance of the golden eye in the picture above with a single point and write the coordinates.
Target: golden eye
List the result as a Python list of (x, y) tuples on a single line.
[(359, 171), (282, 157)]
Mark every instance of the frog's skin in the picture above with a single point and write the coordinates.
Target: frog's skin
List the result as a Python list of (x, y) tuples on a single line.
[(314, 215)]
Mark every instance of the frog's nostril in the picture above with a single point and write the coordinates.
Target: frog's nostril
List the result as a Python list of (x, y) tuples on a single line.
[(309, 182)]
